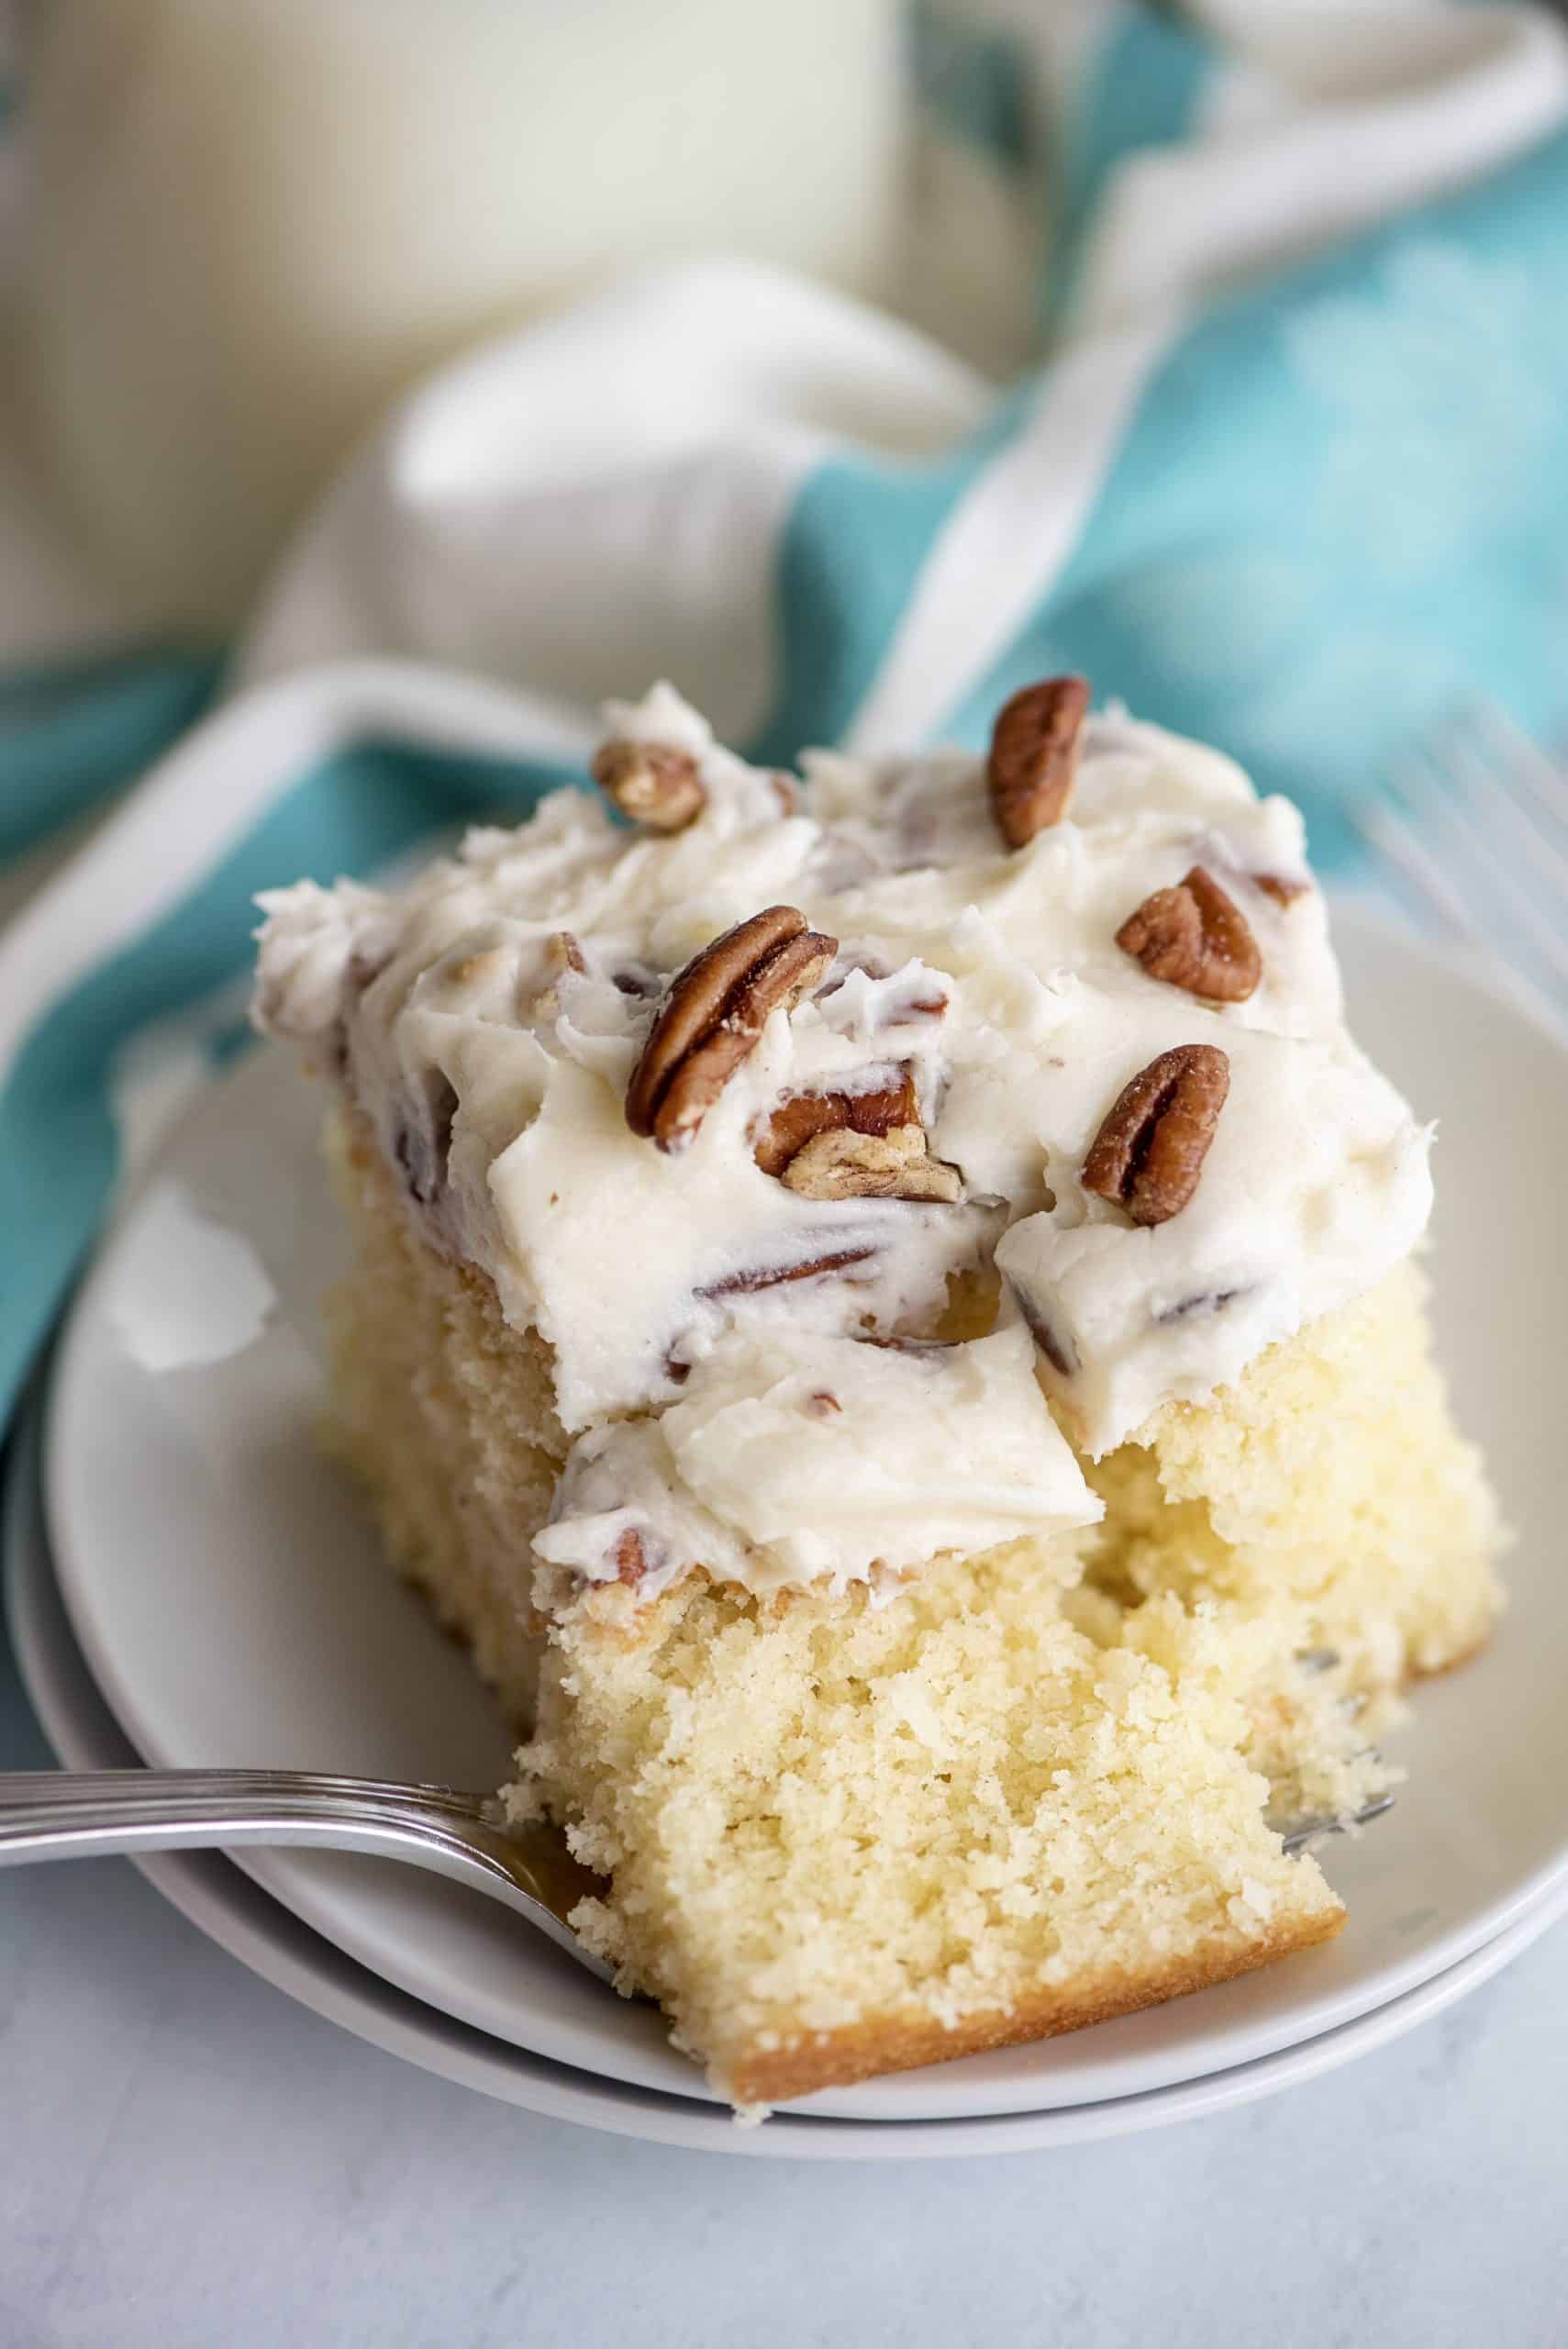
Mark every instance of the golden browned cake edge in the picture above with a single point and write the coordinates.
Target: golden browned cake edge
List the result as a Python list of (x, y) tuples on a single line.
[(897, 2043)]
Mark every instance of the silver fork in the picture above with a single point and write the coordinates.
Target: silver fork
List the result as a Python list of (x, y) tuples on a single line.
[(1301, 1832), (91, 1814), (87, 1814), (1473, 827)]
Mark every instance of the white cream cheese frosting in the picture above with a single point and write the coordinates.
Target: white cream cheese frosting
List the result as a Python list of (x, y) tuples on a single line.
[(797, 1456), (696, 1302)]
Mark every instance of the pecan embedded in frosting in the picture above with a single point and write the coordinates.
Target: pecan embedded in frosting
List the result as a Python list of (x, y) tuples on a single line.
[(651, 782), (894, 1165), (629, 1558), (800, 1117), (1058, 1350), (1194, 937), (562, 955), (714, 1012), (422, 1138), (749, 1282), (1282, 887), (1034, 757), (1149, 1153)]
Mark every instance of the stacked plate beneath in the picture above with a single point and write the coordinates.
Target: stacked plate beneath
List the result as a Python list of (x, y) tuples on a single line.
[(223, 1602)]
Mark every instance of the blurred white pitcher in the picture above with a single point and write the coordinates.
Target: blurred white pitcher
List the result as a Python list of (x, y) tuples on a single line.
[(251, 223)]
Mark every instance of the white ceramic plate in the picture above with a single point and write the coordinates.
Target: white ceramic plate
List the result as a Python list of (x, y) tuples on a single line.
[(265, 1936), (230, 1601)]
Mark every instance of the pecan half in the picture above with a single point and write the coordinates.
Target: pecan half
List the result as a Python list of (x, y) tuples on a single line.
[(712, 1014), (894, 1165), (652, 783), (1034, 756), (800, 1117), (1194, 937), (1149, 1153)]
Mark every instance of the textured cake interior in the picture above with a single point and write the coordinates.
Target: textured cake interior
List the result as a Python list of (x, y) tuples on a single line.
[(1331, 1472), (844, 1838), (1026, 1792)]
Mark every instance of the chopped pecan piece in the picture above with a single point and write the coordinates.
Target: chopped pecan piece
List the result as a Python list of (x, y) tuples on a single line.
[(1199, 1308), (652, 783), (629, 1559), (422, 1141), (712, 1016), (775, 1276), (898, 1164), (562, 952), (1194, 937), (1282, 887), (1034, 756), (1149, 1153), (1057, 1350), (800, 1117)]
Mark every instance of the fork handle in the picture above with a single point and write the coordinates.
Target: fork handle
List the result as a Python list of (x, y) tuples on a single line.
[(93, 1814), (58, 1815)]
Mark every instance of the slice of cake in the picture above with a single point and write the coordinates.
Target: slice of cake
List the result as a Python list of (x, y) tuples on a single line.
[(884, 1311)]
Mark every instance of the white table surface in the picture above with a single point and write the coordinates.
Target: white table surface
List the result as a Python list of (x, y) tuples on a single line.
[(190, 2161)]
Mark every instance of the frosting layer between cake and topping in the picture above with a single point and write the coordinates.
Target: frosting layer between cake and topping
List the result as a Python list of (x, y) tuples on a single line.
[(906, 1073)]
